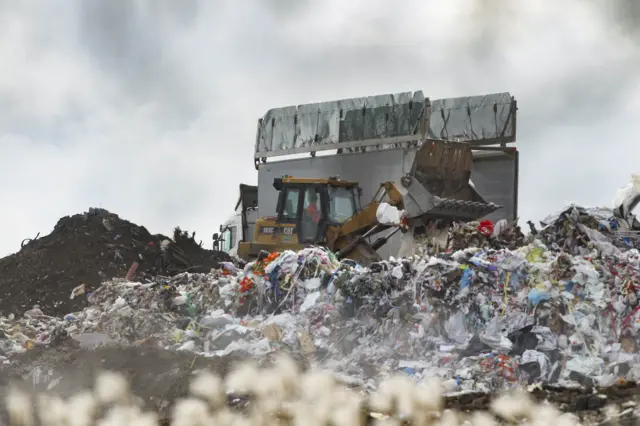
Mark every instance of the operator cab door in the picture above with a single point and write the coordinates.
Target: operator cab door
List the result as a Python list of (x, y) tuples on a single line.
[(289, 202), (303, 205), (313, 218)]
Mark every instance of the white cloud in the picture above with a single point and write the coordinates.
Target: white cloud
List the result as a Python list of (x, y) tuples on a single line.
[(149, 109)]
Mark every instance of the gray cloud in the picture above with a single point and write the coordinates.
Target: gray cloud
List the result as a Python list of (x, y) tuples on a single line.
[(131, 41), (148, 108), (624, 14)]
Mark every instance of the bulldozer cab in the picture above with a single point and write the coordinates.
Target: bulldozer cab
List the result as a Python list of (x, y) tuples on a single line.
[(310, 206), (308, 210)]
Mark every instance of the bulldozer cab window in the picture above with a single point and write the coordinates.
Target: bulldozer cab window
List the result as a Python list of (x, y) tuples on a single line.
[(229, 237), (313, 204), (342, 204), (311, 215), (290, 208)]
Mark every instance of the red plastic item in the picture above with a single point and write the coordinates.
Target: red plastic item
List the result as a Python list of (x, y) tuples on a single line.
[(486, 228), (132, 271), (245, 285)]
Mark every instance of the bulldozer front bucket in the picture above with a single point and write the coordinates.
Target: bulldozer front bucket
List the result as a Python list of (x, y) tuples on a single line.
[(364, 254), (438, 185)]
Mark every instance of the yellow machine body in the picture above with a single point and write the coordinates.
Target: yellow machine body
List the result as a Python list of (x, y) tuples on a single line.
[(436, 188)]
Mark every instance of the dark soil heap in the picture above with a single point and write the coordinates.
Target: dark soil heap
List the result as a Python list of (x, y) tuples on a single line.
[(88, 249)]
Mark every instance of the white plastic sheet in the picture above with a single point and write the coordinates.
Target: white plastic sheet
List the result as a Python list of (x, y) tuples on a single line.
[(388, 214), (407, 245), (535, 356), (588, 366), (628, 197), (456, 328), (500, 226), (497, 342)]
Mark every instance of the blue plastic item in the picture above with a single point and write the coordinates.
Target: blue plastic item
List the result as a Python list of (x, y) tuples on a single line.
[(465, 280), (536, 296)]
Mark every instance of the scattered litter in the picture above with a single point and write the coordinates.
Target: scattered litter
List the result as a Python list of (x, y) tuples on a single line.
[(558, 307)]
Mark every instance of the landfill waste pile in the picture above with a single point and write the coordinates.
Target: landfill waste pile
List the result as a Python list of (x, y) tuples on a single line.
[(86, 249), (556, 310), (285, 395)]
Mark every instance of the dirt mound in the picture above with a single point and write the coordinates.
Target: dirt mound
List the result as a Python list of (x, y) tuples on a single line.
[(88, 249)]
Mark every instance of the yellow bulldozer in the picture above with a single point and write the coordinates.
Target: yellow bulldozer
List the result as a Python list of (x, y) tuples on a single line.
[(399, 149), (328, 211)]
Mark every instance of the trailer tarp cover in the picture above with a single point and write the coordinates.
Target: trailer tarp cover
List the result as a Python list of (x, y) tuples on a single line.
[(248, 196), (384, 121)]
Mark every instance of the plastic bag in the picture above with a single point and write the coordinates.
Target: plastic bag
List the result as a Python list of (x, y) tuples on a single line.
[(500, 226), (536, 296), (588, 366), (465, 280), (388, 214), (535, 356), (535, 255), (486, 228), (456, 328), (407, 245), (600, 241), (497, 342)]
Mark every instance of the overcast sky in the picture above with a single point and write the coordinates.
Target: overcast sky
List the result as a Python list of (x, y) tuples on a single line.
[(149, 108)]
